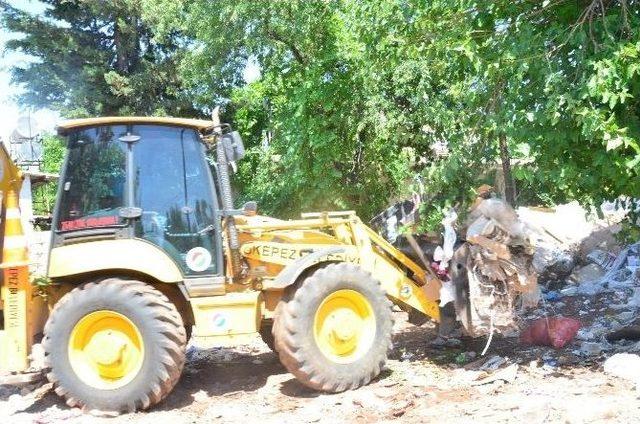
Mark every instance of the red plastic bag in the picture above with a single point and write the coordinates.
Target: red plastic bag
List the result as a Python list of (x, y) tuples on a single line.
[(556, 332)]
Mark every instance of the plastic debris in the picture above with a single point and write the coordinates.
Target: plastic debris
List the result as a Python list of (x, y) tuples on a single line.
[(447, 293), (569, 291), (587, 273), (493, 363), (444, 254), (552, 296), (555, 332), (591, 288), (626, 316), (591, 348), (389, 222), (601, 258), (620, 274), (552, 263)]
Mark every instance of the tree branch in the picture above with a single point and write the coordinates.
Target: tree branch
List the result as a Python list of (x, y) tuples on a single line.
[(294, 50)]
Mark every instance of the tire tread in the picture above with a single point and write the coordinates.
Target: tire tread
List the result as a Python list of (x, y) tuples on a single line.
[(171, 335), (288, 329)]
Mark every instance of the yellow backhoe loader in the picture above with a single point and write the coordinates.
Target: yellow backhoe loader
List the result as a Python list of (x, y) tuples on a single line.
[(147, 250)]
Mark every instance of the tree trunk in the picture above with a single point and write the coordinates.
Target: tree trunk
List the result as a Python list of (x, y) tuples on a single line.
[(509, 183), (127, 43), (121, 57)]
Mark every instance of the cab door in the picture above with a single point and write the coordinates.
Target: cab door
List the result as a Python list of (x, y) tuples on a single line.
[(173, 187)]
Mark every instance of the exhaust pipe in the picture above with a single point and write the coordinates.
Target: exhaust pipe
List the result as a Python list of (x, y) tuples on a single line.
[(227, 204)]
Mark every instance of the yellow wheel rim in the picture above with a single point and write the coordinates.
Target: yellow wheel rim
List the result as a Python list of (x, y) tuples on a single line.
[(344, 326), (106, 350)]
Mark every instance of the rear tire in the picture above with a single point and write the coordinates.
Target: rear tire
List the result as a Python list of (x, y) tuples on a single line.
[(131, 315), (333, 330)]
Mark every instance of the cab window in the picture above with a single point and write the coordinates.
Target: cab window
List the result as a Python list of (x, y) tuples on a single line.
[(94, 180)]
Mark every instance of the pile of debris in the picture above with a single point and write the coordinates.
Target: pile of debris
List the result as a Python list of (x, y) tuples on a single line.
[(495, 267), (607, 272), (488, 276), (611, 289), (566, 255), (599, 286), (564, 237)]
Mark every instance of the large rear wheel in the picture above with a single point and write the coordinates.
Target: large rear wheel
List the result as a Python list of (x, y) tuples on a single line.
[(114, 345), (333, 330)]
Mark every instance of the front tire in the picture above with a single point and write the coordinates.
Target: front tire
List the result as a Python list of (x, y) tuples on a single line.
[(333, 330), (114, 345)]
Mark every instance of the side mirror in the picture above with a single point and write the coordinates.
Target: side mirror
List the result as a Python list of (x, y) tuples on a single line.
[(233, 146)]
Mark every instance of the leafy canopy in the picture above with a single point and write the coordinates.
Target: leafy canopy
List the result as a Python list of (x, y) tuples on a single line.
[(353, 94)]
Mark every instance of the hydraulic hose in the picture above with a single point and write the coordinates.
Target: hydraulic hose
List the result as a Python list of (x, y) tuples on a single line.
[(227, 204)]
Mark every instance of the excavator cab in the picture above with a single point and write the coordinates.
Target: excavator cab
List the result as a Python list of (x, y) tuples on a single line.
[(145, 181)]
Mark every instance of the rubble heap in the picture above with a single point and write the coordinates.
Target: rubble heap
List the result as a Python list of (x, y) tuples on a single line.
[(497, 261)]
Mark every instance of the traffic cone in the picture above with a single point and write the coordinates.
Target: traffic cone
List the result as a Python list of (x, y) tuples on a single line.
[(16, 289), (14, 247)]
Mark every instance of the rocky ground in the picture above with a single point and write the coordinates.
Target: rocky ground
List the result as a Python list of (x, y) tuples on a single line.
[(421, 383)]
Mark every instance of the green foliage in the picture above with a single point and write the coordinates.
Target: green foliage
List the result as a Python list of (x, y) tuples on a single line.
[(92, 57), (44, 196), (316, 138), (352, 94), (347, 86), (629, 232), (53, 150)]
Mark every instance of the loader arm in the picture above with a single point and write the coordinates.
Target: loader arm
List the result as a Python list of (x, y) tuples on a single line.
[(404, 281)]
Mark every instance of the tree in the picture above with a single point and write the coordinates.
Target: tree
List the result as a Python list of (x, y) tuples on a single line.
[(92, 57), (324, 149), (354, 92)]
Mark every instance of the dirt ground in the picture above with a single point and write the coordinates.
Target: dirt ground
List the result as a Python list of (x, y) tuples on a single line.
[(421, 383)]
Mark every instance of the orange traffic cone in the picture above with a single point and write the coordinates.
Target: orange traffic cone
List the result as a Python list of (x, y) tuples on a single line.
[(14, 247)]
